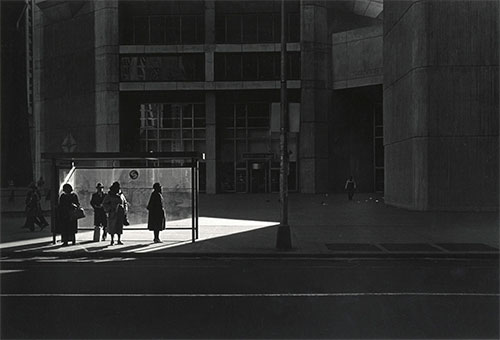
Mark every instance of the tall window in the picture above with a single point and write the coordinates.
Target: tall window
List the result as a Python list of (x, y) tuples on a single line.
[(167, 30), (250, 28), (172, 127), (378, 145), (168, 67), (254, 66), (246, 129)]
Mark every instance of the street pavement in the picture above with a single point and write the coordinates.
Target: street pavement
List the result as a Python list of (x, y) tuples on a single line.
[(321, 225), (357, 269), (144, 298)]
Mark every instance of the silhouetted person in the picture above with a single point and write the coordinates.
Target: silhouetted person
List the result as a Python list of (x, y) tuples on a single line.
[(115, 205), (100, 218), (156, 216), (68, 202), (33, 209), (350, 187)]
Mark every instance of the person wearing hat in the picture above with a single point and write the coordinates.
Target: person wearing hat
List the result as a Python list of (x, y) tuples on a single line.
[(67, 226), (156, 216), (100, 219), (115, 205)]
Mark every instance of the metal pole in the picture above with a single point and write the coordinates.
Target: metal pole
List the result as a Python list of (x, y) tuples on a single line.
[(193, 217), (54, 196), (283, 240), (197, 192)]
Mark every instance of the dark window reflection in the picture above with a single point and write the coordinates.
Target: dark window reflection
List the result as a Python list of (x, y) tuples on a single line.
[(250, 28), (265, 28), (173, 29), (233, 29), (250, 66), (164, 29), (157, 30), (254, 66), (253, 28), (174, 67), (141, 30)]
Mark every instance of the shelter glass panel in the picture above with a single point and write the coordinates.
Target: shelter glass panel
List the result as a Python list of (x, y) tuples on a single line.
[(136, 185)]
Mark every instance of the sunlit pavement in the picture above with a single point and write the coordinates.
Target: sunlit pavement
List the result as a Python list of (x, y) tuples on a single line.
[(321, 225)]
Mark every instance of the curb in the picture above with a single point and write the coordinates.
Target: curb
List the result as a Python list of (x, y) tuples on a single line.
[(277, 255)]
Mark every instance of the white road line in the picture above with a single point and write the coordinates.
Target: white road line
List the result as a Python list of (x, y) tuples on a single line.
[(280, 295)]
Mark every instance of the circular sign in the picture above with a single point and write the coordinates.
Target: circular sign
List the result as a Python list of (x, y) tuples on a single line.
[(134, 174)]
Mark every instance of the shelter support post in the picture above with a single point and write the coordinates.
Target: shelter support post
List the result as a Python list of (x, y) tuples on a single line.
[(53, 199), (193, 201)]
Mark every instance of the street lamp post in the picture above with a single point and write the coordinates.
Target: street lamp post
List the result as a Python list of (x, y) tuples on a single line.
[(283, 240)]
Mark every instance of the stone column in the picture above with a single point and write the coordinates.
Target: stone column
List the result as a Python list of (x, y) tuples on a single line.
[(210, 111), (313, 153), (107, 76), (41, 169), (441, 104)]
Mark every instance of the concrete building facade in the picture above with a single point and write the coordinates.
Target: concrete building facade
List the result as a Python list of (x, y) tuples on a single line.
[(372, 89)]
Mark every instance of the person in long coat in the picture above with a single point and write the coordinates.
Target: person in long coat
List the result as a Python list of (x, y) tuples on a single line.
[(156, 216), (100, 218), (34, 214), (68, 202), (115, 205)]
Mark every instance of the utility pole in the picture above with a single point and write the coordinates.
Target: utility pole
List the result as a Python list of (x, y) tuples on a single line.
[(29, 35), (283, 240)]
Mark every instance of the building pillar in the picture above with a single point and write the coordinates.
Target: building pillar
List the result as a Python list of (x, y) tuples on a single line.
[(41, 167), (441, 104), (107, 93), (210, 111), (64, 79), (315, 97)]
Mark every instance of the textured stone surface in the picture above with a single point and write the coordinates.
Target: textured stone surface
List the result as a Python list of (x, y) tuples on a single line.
[(357, 57), (441, 105), (315, 105), (65, 102), (107, 109)]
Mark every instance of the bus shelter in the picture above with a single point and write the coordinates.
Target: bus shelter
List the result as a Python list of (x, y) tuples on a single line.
[(178, 173)]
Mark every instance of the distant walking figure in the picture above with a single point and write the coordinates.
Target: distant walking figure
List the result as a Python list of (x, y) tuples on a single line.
[(115, 205), (100, 219), (68, 227), (350, 187), (34, 209), (156, 216)]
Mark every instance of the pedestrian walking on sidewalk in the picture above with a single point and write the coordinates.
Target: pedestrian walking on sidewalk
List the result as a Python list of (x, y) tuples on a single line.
[(115, 205), (100, 218), (67, 225), (34, 214), (156, 216), (350, 187)]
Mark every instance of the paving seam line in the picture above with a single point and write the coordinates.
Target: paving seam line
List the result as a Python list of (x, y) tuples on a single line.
[(277, 255)]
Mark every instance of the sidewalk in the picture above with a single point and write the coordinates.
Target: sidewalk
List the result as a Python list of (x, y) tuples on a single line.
[(321, 226)]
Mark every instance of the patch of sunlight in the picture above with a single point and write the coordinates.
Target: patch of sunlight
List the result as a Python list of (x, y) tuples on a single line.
[(209, 228), (216, 221), (10, 271), (26, 242)]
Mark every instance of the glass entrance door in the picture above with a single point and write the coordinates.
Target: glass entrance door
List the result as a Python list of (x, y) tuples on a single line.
[(259, 174)]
